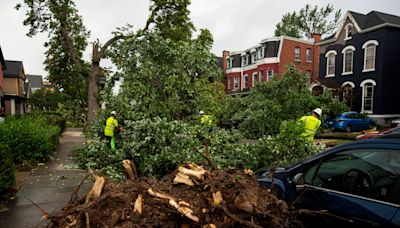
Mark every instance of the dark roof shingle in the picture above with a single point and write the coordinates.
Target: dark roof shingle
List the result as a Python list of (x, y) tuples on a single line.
[(374, 18), (13, 68), (36, 81)]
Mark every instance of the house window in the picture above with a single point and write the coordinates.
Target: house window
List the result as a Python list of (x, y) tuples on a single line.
[(308, 54), (229, 84), (297, 54), (270, 74), (330, 63), (348, 59), (230, 62), (236, 81), (245, 81), (253, 57), (245, 60), (367, 95), (349, 28), (369, 55), (255, 78), (347, 93), (261, 76)]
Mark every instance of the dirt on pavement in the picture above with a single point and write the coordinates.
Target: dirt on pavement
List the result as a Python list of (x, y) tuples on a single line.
[(244, 204)]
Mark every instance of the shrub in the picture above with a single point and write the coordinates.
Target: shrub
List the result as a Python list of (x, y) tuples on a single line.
[(30, 139), (7, 177)]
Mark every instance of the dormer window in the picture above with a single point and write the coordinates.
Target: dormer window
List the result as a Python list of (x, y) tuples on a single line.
[(349, 29), (253, 55)]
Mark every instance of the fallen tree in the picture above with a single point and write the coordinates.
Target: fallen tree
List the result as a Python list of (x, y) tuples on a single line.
[(217, 198)]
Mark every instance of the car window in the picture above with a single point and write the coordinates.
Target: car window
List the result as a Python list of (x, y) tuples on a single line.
[(372, 173)]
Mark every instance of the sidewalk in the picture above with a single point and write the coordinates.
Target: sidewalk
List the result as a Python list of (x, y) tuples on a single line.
[(49, 185)]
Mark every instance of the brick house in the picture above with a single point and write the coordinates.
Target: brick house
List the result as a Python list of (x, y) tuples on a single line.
[(2, 68), (14, 88), (362, 60), (267, 60)]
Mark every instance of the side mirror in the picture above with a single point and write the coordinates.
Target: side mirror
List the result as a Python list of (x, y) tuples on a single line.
[(298, 179)]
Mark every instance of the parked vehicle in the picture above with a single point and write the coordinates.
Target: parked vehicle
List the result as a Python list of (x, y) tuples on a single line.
[(357, 181), (349, 121), (395, 122), (374, 134)]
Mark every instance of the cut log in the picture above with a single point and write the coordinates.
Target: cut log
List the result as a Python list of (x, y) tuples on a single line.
[(130, 170), (98, 187), (249, 172), (186, 211), (183, 179), (198, 174), (138, 204), (160, 195), (217, 198), (209, 226)]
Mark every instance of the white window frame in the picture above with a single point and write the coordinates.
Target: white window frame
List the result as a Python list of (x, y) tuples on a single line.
[(346, 49), (327, 63), (295, 54), (347, 37), (236, 83), (229, 84), (362, 85), (253, 81), (308, 55), (260, 76), (244, 81), (365, 47), (270, 74), (253, 57)]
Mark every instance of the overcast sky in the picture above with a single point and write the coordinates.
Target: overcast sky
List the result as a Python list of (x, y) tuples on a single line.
[(235, 24)]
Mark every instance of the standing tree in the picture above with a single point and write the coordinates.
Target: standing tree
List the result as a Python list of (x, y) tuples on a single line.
[(307, 21), (289, 26), (170, 18)]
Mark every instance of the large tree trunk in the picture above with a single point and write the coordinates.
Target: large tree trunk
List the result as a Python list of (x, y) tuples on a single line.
[(92, 91)]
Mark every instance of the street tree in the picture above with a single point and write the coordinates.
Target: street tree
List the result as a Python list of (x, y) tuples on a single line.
[(309, 20), (169, 17)]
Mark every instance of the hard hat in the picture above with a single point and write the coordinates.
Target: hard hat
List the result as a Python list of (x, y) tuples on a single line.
[(318, 111), (113, 113), (201, 113)]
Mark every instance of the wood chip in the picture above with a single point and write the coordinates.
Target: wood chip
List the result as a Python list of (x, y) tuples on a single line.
[(217, 198), (138, 204)]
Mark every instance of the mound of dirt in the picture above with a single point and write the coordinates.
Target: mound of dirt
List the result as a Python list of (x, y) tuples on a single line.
[(221, 198)]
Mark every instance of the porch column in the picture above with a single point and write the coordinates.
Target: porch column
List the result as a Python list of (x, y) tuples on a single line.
[(12, 101)]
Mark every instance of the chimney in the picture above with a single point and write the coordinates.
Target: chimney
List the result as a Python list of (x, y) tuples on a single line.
[(316, 37), (316, 57), (225, 55)]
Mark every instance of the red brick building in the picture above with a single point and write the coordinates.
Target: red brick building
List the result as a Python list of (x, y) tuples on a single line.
[(2, 68), (267, 60)]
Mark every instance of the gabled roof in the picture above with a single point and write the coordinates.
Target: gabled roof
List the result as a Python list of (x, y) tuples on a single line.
[(36, 81), (366, 23), (374, 18), (13, 68)]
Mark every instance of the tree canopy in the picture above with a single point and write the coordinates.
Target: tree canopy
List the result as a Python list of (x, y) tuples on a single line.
[(309, 20)]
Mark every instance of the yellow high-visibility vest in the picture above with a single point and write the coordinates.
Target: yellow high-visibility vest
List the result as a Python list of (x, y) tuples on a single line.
[(206, 120), (311, 124), (111, 123)]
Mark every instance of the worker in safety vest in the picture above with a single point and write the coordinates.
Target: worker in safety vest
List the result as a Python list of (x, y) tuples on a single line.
[(111, 124), (205, 119), (311, 123)]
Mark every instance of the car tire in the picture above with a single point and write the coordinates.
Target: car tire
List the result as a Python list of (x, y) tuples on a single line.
[(348, 129)]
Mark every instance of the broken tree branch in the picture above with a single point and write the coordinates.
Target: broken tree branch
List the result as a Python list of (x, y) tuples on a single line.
[(45, 214)]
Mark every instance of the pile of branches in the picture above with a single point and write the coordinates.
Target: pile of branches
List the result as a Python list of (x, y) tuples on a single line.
[(191, 196)]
